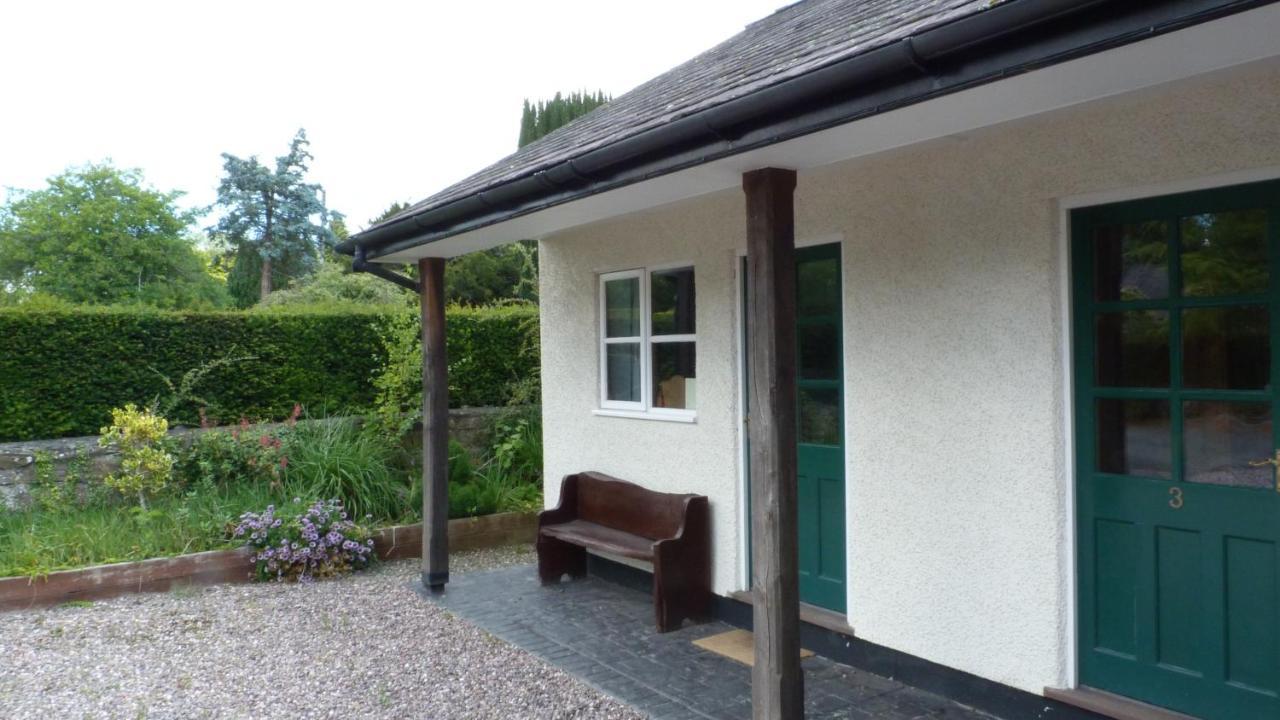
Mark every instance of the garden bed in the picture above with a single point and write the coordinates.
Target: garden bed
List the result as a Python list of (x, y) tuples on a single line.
[(235, 565)]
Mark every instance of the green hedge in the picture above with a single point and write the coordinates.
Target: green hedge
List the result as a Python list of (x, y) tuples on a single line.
[(62, 371)]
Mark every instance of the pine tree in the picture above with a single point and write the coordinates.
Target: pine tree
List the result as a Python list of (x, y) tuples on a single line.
[(538, 120)]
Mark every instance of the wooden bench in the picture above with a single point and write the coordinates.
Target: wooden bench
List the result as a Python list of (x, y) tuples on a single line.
[(603, 513)]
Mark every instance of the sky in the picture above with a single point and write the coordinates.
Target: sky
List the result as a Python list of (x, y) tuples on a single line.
[(399, 100)]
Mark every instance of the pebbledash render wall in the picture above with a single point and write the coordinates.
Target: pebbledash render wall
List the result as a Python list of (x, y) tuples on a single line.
[(957, 409)]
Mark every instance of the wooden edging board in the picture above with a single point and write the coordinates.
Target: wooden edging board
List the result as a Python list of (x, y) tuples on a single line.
[(234, 566)]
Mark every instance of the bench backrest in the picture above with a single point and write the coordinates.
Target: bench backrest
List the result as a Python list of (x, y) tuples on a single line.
[(628, 507)]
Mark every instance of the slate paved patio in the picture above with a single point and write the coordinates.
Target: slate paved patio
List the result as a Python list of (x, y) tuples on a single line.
[(603, 633)]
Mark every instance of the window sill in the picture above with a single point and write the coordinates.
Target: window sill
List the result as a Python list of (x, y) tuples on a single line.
[(691, 417)]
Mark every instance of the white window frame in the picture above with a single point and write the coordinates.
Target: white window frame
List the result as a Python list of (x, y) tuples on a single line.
[(644, 408)]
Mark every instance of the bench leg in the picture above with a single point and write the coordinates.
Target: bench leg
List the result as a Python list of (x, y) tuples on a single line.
[(557, 558)]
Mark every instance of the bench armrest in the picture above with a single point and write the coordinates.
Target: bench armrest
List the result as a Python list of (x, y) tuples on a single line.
[(567, 509)]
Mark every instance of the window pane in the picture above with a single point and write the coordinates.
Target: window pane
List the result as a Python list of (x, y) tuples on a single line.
[(819, 351), (818, 287), (623, 372), (674, 376), (622, 307), (820, 416), (1131, 261), (1133, 437), (1220, 439), (1226, 347), (1224, 253), (1132, 348), (672, 302)]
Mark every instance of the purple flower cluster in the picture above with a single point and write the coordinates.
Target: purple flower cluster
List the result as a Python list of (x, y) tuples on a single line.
[(316, 542)]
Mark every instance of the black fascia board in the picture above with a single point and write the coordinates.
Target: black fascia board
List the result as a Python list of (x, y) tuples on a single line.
[(1011, 38)]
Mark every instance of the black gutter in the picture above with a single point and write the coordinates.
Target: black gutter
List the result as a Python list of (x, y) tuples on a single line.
[(1011, 38)]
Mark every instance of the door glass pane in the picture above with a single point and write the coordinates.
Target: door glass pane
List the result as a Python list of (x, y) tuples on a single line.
[(674, 375), (1132, 348), (1134, 437), (673, 302), (623, 372), (622, 307), (1220, 439), (818, 287), (1226, 347), (819, 351), (1131, 261), (1224, 253), (820, 416)]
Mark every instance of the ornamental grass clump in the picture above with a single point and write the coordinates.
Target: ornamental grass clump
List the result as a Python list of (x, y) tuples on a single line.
[(317, 542)]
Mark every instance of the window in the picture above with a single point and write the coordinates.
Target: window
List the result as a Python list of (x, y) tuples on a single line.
[(648, 342)]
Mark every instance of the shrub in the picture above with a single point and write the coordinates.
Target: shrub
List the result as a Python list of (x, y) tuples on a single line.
[(239, 455), (64, 369), (318, 541), (145, 465), (335, 458)]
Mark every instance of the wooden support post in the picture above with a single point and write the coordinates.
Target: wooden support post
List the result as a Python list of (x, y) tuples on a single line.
[(435, 427), (777, 682)]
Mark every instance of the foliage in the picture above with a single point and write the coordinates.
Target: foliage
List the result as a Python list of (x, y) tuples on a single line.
[(334, 458), (501, 273), (492, 352), (334, 282), (62, 371), (183, 394), (305, 544), (509, 480), (145, 463), (242, 454), (539, 119), (97, 235), (51, 493), (274, 216)]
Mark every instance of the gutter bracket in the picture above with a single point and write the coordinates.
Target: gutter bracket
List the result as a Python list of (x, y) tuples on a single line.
[(359, 264)]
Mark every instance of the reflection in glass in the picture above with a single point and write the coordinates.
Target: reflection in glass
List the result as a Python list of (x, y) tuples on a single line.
[(622, 307), (674, 375), (818, 287), (1224, 253), (1220, 439), (1134, 437), (1131, 261), (673, 301), (1226, 347), (1132, 348), (819, 416), (623, 372), (819, 351)]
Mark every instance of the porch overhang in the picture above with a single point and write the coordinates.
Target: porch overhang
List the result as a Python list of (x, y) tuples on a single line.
[(1015, 60)]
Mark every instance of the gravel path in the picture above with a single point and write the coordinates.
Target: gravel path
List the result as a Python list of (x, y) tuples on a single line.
[(366, 646)]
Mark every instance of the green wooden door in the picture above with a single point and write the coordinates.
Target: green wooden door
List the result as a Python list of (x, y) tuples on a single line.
[(1176, 320), (820, 436)]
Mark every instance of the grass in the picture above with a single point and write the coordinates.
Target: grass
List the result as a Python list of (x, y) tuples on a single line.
[(39, 541)]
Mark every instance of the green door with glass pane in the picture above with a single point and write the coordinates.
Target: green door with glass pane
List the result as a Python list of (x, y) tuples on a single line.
[(1176, 319), (820, 436)]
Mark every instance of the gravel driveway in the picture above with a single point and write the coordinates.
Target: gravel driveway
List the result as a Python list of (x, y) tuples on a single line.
[(365, 646)]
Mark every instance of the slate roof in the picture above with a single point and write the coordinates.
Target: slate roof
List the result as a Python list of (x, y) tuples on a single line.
[(792, 41)]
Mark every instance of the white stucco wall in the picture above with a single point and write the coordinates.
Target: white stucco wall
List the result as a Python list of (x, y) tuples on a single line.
[(958, 480)]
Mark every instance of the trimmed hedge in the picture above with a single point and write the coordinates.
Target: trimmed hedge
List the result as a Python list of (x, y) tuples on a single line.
[(62, 371)]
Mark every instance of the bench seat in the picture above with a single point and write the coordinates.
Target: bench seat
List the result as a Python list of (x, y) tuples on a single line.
[(605, 539), (605, 514)]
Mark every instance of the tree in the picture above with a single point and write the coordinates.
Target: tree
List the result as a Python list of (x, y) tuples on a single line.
[(275, 221), (540, 119), (97, 235)]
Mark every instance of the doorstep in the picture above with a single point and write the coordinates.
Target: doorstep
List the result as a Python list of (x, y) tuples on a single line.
[(1110, 705), (812, 614)]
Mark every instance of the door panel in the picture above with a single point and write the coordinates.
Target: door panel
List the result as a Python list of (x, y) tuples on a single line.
[(820, 426), (1175, 334)]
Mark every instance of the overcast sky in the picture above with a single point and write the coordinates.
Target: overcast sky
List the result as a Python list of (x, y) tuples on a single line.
[(398, 99)]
